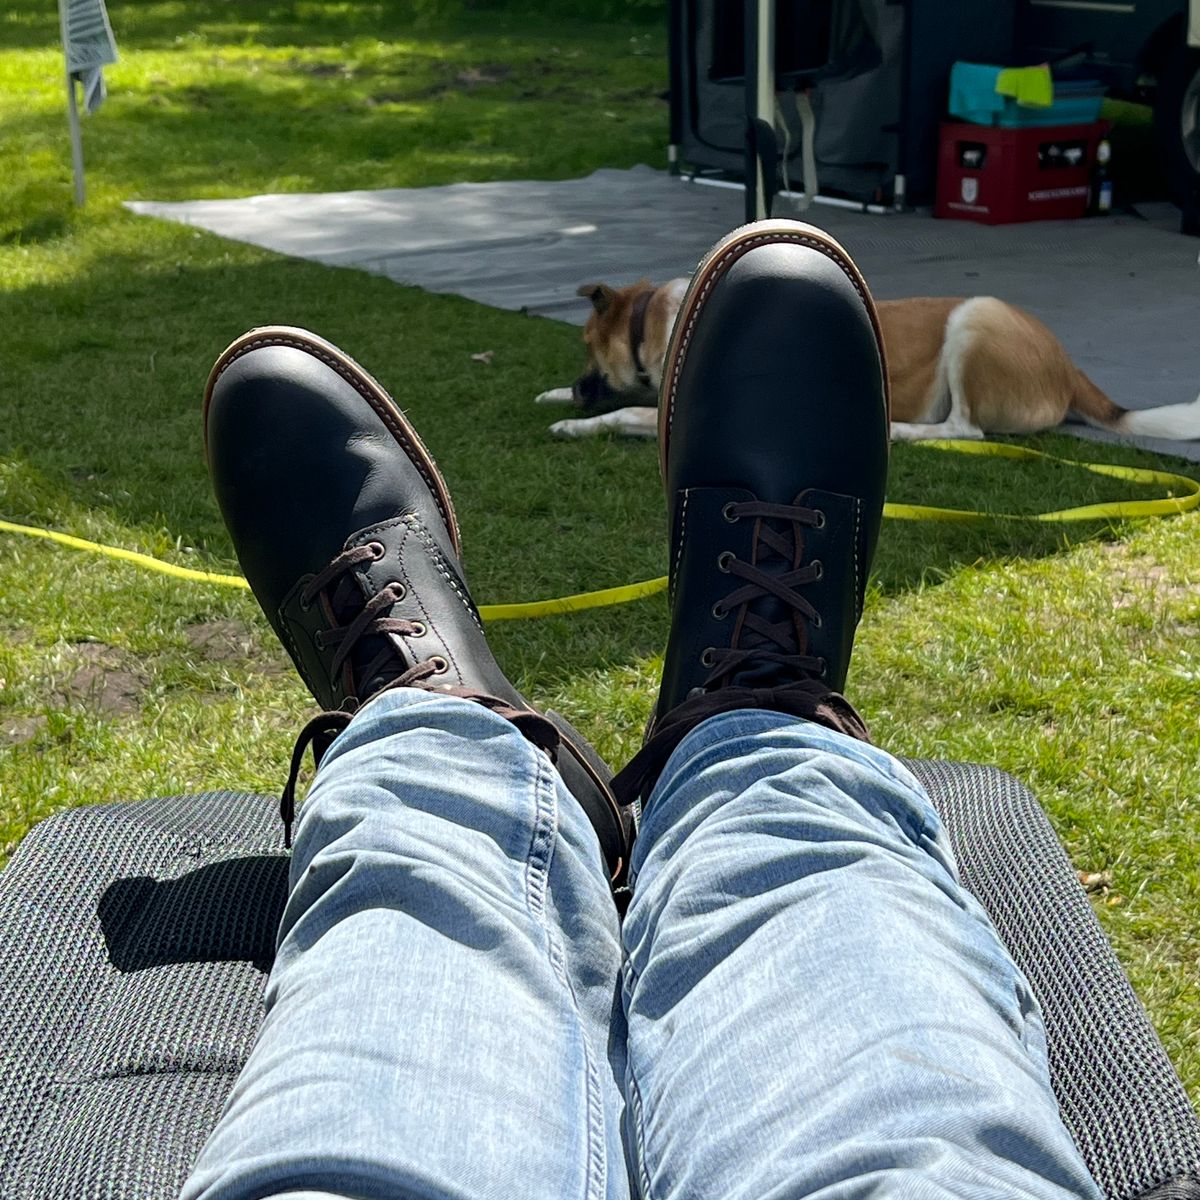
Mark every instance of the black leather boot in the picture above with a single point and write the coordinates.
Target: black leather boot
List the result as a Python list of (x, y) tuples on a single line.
[(346, 532), (773, 435)]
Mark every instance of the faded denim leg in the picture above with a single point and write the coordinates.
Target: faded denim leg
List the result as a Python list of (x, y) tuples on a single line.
[(443, 1016), (816, 1007)]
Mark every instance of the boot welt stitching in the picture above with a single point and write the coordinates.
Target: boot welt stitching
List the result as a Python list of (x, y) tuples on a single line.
[(718, 268)]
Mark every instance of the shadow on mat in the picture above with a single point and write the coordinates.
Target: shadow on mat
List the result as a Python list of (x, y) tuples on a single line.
[(227, 911)]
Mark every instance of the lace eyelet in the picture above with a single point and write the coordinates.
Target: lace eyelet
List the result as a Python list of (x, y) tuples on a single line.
[(305, 607), (709, 657), (319, 639), (694, 692), (724, 560), (419, 629), (377, 549), (440, 665), (823, 670), (819, 568), (819, 522), (817, 621), (729, 515), (719, 612), (399, 591)]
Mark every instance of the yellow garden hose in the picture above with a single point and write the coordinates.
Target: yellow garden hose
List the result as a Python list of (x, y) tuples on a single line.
[(1188, 497)]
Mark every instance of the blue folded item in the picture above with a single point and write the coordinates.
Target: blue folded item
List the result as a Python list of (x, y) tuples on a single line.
[(973, 95), (973, 98)]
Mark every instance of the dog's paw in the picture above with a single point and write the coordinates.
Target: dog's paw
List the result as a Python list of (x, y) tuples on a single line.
[(581, 427), (563, 395)]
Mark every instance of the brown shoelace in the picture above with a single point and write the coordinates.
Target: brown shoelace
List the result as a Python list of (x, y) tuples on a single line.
[(343, 595), (801, 692), (777, 642), (370, 620)]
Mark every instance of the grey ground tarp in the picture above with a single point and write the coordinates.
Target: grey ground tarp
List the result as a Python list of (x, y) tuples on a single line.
[(1121, 292)]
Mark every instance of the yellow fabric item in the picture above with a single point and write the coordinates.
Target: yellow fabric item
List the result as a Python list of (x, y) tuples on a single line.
[(1030, 86)]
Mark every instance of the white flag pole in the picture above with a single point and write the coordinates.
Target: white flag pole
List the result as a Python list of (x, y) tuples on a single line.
[(72, 112)]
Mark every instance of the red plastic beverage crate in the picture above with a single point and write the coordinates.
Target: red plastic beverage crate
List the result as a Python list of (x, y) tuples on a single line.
[(999, 175)]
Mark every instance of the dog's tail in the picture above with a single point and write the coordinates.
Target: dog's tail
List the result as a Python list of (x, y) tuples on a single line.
[(1178, 422)]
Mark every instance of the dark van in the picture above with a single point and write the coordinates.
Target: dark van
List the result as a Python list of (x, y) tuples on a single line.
[(1146, 50)]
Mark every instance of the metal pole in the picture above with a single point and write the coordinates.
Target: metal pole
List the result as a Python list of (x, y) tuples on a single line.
[(76, 142), (750, 91), (72, 113), (760, 100), (764, 102), (678, 74)]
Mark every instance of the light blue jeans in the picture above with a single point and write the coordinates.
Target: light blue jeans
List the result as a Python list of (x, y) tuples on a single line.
[(802, 1002)]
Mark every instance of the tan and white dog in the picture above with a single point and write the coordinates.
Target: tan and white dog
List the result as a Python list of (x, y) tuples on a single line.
[(959, 368)]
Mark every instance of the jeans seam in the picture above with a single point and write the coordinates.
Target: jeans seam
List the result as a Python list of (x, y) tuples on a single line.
[(537, 882), (634, 1099), (639, 1134)]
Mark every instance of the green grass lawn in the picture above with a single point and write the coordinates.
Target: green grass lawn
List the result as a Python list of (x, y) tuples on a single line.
[(1067, 655)]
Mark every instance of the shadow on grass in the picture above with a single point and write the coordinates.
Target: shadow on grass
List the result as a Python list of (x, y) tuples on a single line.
[(32, 25), (36, 229)]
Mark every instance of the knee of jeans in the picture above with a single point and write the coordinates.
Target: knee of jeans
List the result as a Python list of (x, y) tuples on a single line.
[(431, 718)]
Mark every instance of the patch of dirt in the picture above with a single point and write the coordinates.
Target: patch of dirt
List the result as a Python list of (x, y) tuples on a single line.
[(16, 731), (221, 641), (103, 677), (324, 70), (229, 641), (467, 80), (1136, 578), (474, 77)]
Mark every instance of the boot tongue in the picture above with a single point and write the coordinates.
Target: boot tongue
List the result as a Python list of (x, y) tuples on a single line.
[(369, 650), (375, 659)]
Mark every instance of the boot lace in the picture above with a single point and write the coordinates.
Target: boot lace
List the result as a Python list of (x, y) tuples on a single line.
[(361, 622), (798, 689), (344, 596), (758, 639)]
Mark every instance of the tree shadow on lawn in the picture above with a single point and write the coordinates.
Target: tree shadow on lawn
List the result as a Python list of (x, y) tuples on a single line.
[(104, 412), (31, 24)]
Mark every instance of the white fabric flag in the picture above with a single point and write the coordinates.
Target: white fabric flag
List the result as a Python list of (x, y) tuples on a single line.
[(89, 47)]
